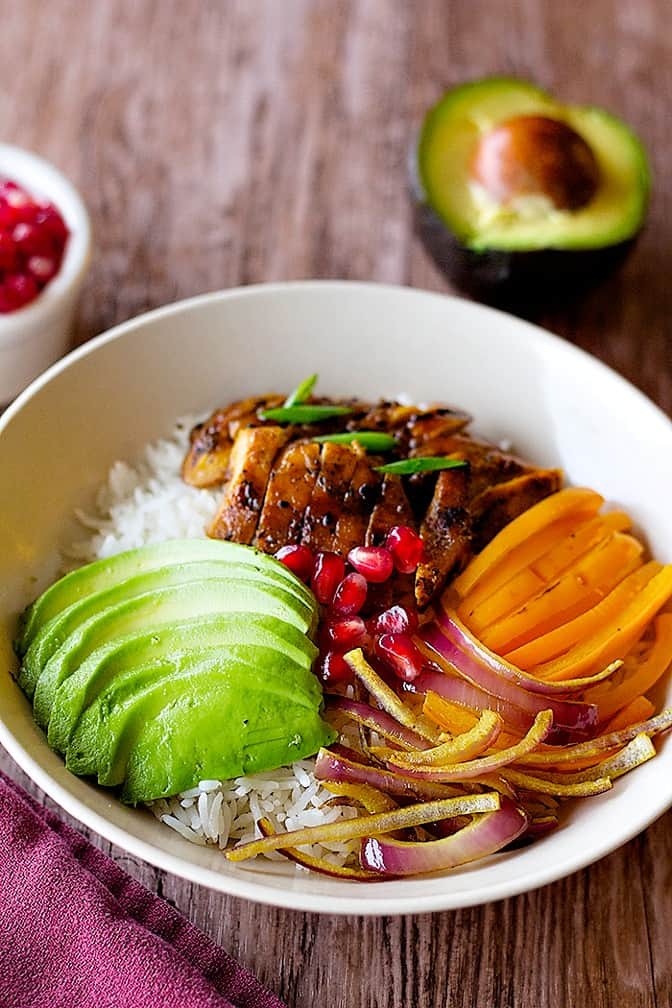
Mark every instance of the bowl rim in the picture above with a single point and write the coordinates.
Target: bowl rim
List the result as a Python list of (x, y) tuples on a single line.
[(249, 887), (55, 186)]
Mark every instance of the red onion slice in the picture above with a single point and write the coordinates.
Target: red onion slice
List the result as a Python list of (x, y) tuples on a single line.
[(459, 691), (571, 720), (380, 721), (331, 766), (462, 638), (485, 835)]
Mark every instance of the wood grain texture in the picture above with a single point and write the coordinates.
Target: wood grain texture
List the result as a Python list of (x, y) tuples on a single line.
[(220, 142)]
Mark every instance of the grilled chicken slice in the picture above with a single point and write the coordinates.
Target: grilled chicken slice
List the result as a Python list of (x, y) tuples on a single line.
[(337, 466), (207, 461), (290, 488), (497, 505), (392, 509), (360, 499), (446, 533), (252, 455)]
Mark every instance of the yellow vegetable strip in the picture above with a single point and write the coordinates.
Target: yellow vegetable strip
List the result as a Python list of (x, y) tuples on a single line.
[(583, 586), (526, 782), (617, 636), (578, 543), (643, 678), (584, 627), (320, 864), (560, 505), (448, 715), (639, 750), (467, 745), (385, 696), (566, 550), (472, 768), (370, 825), (611, 740), (365, 795), (520, 559)]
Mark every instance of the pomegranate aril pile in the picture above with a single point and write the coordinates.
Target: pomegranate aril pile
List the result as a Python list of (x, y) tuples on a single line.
[(342, 594), (33, 236)]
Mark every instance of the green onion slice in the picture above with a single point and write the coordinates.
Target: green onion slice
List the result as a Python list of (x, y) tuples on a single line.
[(374, 441), (303, 414), (301, 392), (428, 463)]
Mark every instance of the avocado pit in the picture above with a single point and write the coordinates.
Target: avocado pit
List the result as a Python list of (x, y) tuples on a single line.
[(534, 155)]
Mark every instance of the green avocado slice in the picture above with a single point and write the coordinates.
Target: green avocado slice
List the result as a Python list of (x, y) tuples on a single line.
[(63, 700), (223, 726), (448, 139), (102, 574), (161, 607), (108, 728), (54, 633)]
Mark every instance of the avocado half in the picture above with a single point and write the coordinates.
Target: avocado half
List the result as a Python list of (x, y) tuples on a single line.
[(518, 196)]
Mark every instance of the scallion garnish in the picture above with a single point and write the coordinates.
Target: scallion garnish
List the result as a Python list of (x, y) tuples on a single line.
[(301, 392), (303, 414), (428, 463), (374, 441)]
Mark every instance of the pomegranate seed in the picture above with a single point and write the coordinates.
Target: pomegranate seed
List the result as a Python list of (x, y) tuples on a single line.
[(8, 256), (17, 290), (406, 547), (31, 240), (43, 268), (372, 562), (333, 668), (327, 575), (350, 595), (401, 654), (344, 634), (299, 559), (49, 219), (395, 620)]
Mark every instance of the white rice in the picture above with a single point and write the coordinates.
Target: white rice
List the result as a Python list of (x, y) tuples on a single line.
[(148, 502)]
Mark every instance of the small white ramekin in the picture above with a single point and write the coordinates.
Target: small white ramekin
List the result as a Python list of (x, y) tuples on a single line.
[(34, 337)]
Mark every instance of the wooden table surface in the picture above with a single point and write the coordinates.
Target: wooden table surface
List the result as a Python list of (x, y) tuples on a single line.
[(220, 143)]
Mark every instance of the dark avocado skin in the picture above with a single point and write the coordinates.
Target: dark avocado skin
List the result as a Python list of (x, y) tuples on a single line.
[(514, 279)]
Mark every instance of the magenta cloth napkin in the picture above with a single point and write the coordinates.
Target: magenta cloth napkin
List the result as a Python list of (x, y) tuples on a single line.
[(77, 932)]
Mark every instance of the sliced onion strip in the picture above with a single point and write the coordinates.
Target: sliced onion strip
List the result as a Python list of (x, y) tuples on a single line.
[(484, 836), (380, 721), (381, 822), (333, 766), (577, 719), (451, 687)]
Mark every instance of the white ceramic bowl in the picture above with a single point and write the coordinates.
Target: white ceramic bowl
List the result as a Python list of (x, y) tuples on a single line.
[(34, 337), (558, 405)]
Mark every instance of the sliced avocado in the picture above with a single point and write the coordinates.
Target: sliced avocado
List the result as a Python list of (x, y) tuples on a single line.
[(102, 574), (62, 702), (505, 172), (108, 728), (53, 634), (162, 607), (218, 730)]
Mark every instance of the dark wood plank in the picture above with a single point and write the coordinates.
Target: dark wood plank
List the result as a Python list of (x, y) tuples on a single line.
[(249, 140)]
